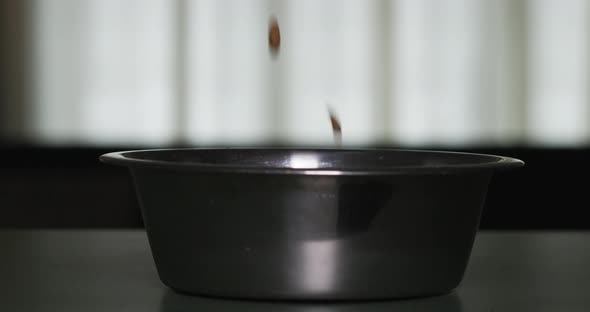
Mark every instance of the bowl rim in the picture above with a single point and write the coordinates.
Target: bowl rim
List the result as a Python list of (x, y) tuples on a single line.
[(496, 163)]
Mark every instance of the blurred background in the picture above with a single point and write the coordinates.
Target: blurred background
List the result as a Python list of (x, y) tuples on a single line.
[(79, 78)]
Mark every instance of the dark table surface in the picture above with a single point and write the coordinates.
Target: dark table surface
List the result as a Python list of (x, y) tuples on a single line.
[(112, 270)]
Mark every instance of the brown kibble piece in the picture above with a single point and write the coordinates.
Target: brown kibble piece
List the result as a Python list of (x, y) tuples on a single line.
[(335, 124), (274, 35), (336, 128)]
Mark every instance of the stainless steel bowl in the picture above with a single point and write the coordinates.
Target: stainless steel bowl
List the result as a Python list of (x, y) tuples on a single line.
[(324, 224)]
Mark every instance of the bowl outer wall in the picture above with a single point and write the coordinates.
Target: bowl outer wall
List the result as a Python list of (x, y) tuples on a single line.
[(324, 237)]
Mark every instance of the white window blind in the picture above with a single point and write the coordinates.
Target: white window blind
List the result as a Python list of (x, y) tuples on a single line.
[(410, 72)]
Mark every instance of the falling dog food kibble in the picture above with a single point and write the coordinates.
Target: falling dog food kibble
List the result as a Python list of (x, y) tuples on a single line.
[(336, 128), (274, 36)]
